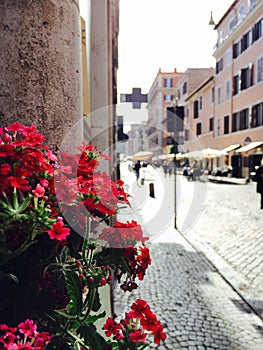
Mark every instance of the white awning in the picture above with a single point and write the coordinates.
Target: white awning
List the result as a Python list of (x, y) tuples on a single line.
[(250, 146), (231, 148), (205, 153)]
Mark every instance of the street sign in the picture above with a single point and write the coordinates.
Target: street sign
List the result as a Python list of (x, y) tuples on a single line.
[(137, 98)]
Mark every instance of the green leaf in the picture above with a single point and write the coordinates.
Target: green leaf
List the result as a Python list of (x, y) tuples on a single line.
[(74, 290), (24, 204), (92, 337), (94, 318), (65, 315)]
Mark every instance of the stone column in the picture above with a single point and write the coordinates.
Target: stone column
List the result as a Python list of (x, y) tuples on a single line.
[(40, 67)]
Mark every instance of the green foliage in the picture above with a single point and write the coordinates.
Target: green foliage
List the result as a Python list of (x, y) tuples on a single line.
[(91, 337), (74, 290)]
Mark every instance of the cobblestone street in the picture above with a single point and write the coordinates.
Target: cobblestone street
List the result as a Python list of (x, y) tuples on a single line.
[(205, 281)]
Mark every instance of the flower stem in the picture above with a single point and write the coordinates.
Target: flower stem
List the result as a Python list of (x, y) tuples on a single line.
[(85, 242), (17, 252)]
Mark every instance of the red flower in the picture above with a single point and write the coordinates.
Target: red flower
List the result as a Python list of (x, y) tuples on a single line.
[(58, 231), (28, 328), (123, 234), (8, 337), (5, 169), (149, 321), (39, 191), (158, 333), (18, 182), (140, 308), (15, 127), (111, 327), (137, 336)]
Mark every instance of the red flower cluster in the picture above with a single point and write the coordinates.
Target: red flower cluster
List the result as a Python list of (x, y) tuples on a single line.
[(30, 159), (23, 337), (122, 235), (138, 261), (81, 189), (128, 330), (45, 201)]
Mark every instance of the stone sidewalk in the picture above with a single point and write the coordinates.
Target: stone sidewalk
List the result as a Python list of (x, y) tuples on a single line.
[(204, 302)]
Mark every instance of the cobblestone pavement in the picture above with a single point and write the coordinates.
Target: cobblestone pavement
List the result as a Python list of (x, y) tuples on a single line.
[(196, 284), (229, 231)]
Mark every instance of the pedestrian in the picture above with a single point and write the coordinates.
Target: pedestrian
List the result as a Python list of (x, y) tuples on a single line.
[(258, 177), (137, 168), (165, 168)]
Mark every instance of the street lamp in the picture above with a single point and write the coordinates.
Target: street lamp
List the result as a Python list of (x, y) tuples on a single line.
[(175, 124), (211, 22)]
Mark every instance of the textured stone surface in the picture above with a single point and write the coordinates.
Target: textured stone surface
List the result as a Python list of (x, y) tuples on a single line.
[(40, 65)]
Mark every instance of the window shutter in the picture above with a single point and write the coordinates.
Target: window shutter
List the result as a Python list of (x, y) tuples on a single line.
[(196, 109)]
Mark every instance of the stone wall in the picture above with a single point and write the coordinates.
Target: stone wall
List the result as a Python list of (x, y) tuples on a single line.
[(40, 66)]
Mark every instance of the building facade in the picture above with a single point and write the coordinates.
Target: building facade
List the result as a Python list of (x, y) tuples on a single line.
[(161, 95), (225, 111)]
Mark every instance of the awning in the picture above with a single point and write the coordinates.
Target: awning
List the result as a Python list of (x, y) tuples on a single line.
[(250, 146), (205, 153), (231, 148), (167, 156), (143, 155)]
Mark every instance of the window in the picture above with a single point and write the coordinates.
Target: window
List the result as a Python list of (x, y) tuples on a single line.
[(186, 134), (232, 23), (178, 94), (241, 13), (221, 36), (198, 129), (244, 118), (218, 127), (246, 41), (212, 94), (257, 30), (236, 84), (211, 124), (260, 69), (219, 95), (226, 124), (219, 65), (240, 120), (200, 103), (196, 109), (236, 49), (167, 97), (228, 57), (184, 87), (246, 77), (235, 121), (228, 92), (168, 82), (257, 115)]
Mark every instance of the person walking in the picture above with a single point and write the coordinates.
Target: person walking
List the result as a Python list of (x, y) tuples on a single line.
[(259, 180), (137, 168)]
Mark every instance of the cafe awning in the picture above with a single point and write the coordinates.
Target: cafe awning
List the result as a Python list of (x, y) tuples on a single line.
[(205, 153), (250, 146), (143, 155), (231, 148)]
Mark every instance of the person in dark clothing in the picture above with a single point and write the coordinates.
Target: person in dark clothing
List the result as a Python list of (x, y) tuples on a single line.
[(137, 168), (259, 180)]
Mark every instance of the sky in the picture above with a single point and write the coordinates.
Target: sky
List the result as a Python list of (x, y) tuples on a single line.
[(164, 34)]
